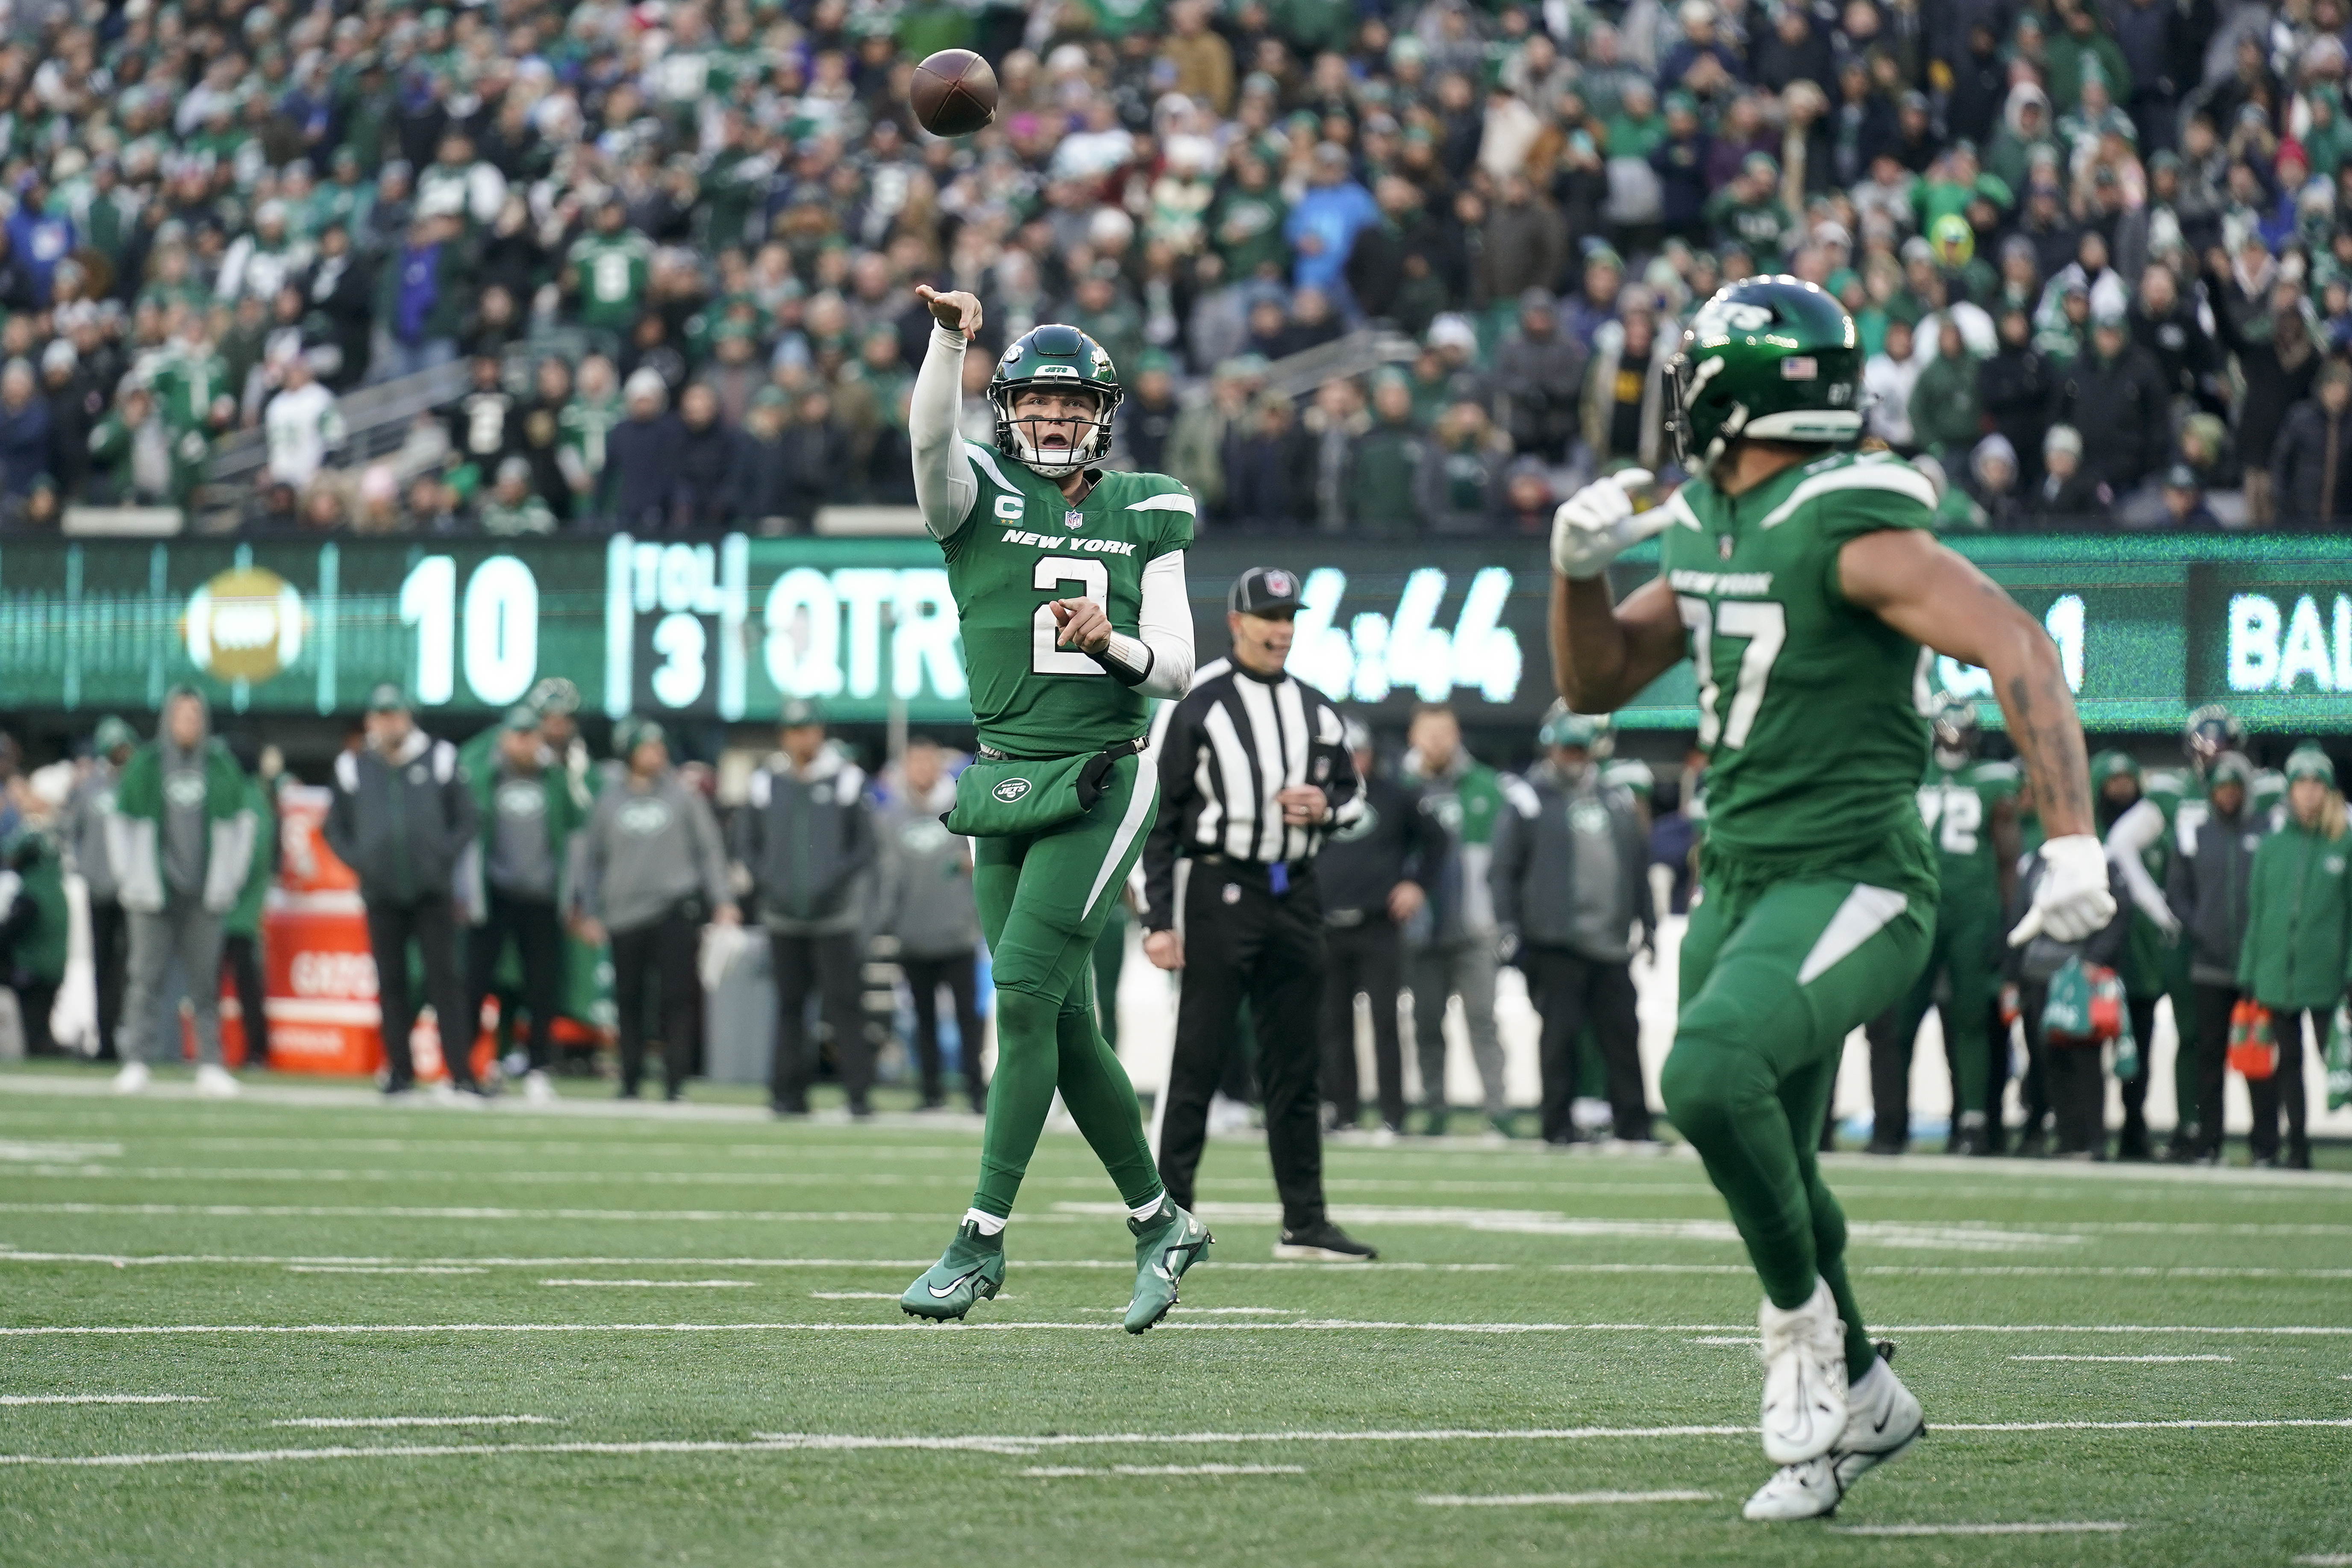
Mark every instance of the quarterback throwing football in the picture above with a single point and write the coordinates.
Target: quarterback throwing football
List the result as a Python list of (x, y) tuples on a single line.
[(1801, 577), (1069, 582)]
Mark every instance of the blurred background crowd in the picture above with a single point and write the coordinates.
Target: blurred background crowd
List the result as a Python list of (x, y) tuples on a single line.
[(1388, 268)]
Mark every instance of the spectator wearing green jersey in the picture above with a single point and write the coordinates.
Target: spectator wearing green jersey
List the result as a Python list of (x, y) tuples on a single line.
[(1451, 948), (2296, 958), (610, 270)]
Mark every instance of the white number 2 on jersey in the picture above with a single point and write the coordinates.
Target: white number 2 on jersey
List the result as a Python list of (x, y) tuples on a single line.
[(1093, 580), (1954, 815), (1765, 625)]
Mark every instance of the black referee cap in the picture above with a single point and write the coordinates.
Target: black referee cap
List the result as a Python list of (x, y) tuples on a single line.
[(1262, 590)]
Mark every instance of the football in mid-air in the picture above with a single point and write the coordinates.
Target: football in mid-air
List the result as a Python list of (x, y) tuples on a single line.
[(954, 93)]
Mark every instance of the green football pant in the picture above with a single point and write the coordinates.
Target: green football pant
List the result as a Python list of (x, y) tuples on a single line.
[(1774, 976), (1043, 898), (1963, 948), (2177, 987)]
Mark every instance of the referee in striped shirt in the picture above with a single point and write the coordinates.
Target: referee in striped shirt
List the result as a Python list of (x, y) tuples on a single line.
[(1254, 770)]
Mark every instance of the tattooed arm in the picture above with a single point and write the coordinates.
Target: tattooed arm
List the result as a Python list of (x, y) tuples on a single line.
[(1934, 596)]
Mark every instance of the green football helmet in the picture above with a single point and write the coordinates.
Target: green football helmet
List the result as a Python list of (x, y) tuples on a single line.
[(2212, 731), (1596, 734), (1064, 359), (1773, 358), (1955, 728)]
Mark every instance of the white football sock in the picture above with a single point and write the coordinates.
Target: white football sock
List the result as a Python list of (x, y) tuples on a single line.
[(990, 1224), (1147, 1210)]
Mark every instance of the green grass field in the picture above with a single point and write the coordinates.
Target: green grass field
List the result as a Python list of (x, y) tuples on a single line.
[(306, 1328)]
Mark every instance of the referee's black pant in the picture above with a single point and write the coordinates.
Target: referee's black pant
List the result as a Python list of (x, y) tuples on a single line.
[(1240, 938)]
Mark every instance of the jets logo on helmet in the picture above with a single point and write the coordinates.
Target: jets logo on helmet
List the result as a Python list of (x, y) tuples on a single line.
[(2212, 731), (1063, 358), (1563, 726), (1955, 728), (1773, 358)]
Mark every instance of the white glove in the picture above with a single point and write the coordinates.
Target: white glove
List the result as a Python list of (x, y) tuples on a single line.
[(1598, 523), (2071, 899)]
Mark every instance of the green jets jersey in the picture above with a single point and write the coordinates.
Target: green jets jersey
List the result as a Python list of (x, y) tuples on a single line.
[(1958, 807), (1814, 743), (612, 272), (1023, 545)]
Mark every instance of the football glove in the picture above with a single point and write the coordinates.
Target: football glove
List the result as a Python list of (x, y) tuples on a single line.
[(1598, 523), (2071, 899)]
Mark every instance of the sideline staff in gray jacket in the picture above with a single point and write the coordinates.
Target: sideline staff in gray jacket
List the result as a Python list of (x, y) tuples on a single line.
[(1571, 884), (652, 870), (928, 907), (806, 838), (402, 817), (179, 840)]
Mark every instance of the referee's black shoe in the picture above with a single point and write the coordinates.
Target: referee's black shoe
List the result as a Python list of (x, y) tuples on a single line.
[(1322, 1242)]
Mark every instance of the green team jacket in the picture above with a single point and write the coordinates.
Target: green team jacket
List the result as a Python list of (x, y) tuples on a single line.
[(2297, 950), (134, 835), (568, 802), (244, 917), (1467, 801), (38, 874)]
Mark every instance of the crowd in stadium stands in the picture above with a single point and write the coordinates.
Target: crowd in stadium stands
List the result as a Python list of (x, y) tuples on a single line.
[(2100, 254)]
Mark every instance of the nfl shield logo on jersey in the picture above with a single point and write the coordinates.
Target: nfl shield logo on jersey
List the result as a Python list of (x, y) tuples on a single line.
[(1074, 519), (1723, 547)]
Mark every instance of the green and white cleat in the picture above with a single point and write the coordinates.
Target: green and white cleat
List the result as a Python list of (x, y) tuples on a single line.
[(972, 1270), (1166, 1245)]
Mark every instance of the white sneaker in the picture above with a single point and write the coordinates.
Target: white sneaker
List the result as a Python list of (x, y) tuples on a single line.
[(1804, 1377), (1228, 1118), (1883, 1420), (131, 1079), (214, 1082), (537, 1089), (1807, 1491)]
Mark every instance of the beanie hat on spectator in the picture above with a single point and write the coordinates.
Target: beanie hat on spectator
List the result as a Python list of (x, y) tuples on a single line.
[(2230, 767), (1451, 330), (2062, 438), (2308, 762), (2182, 476), (2111, 766), (1994, 449)]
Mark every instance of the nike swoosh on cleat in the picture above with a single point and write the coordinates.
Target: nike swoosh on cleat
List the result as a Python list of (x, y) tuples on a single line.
[(953, 1286)]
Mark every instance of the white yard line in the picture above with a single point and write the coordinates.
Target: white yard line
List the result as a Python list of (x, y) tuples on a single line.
[(1562, 1499), (2325, 1560), (342, 1422), (857, 1296), (659, 1284), (1315, 1325), (105, 1399), (2153, 1359), (2081, 1526), (601, 1217), (1057, 1472), (1024, 1445), (1967, 1238), (380, 1269), (331, 1263)]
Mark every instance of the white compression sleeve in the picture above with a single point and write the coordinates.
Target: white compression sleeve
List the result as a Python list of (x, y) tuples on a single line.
[(1163, 652), (944, 486), (2134, 831)]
